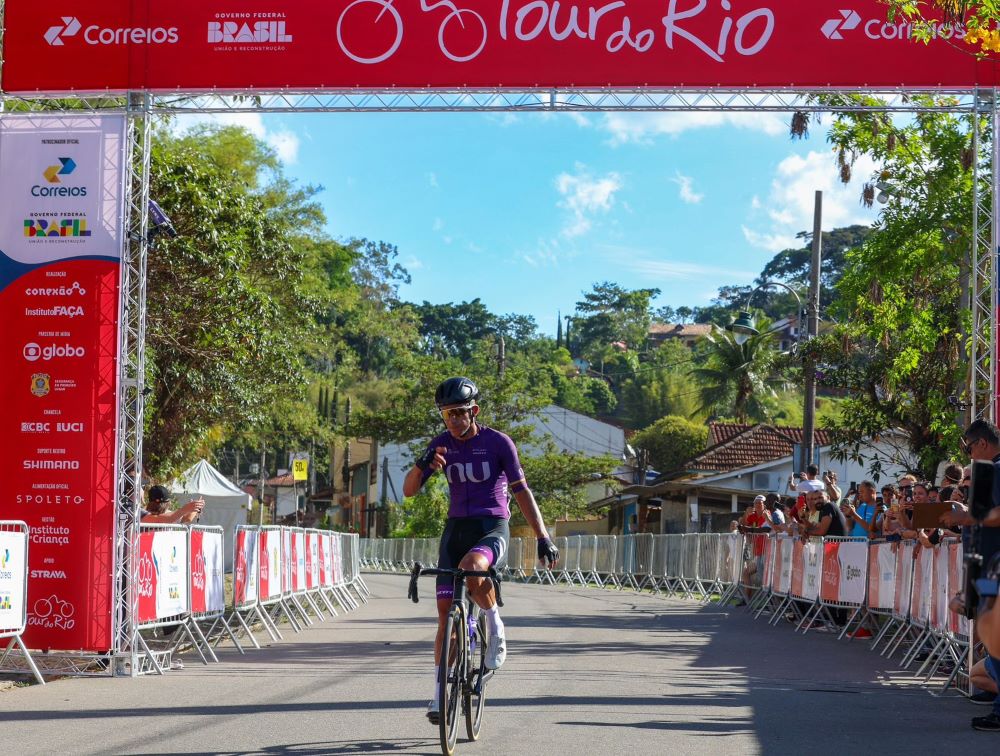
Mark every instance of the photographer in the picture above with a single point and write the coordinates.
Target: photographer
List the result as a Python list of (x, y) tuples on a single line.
[(981, 441), (158, 510)]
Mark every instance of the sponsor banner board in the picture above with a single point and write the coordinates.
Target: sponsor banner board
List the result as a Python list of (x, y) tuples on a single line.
[(904, 579), (211, 45), (287, 559), (923, 568), (61, 220), (299, 559), (881, 576), (845, 569), (326, 560), (271, 569), (13, 567), (208, 588), (245, 568), (312, 560), (163, 575)]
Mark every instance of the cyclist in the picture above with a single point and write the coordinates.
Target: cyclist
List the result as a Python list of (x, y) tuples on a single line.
[(480, 464)]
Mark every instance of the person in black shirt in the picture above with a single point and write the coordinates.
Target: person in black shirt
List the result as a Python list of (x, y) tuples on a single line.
[(981, 441), (831, 519)]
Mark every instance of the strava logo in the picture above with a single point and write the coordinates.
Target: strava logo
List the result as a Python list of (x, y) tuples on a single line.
[(70, 28), (832, 28)]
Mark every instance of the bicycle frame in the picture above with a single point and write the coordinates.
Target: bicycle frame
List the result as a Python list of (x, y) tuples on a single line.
[(462, 682)]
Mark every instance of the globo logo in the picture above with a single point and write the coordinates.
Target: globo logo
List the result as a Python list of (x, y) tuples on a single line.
[(33, 352)]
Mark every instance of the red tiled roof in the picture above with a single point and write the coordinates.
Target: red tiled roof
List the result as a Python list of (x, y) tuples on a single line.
[(720, 432), (735, 445), (282, 480)]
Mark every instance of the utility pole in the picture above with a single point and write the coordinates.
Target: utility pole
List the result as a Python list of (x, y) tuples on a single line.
[(260, 493), (501, 358), (809, 366)]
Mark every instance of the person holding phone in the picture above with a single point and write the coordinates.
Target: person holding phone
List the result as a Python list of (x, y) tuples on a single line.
[(158, 509)]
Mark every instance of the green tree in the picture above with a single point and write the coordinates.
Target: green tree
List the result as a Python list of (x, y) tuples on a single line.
[(610, 314), (981, 18), (663, 385), (424, 515), (738, 379), (226, 304), (671, 441), (559, 482), (898, 353)]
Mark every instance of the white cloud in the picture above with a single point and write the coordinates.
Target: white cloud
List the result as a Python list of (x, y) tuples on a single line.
[(656, 269), (642, 128), (688, 194), (545, 254), (788, 209), (432, 179), (412, 263), (284, 142), (586, 196)]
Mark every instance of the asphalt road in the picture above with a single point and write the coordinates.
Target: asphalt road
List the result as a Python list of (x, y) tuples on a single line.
[(588, 672)]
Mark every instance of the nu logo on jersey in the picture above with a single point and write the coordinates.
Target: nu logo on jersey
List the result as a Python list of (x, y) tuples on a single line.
[(465, 473)]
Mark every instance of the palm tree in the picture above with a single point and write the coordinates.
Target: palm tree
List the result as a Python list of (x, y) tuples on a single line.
[(736, 378)]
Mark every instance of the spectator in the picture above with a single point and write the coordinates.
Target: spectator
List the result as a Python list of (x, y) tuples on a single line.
[(775, 512), (953, 475), (831, 487), (158, 508), (831, 522), (806, 481), (863, 511)]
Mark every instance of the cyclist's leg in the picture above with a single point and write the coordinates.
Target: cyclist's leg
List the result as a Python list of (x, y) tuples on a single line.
[(490, 551)]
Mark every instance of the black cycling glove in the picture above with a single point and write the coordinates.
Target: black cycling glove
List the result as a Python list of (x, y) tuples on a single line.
[(425, 461), (548, 554)]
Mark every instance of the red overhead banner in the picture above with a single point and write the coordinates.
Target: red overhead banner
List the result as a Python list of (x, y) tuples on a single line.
[(203, 45)]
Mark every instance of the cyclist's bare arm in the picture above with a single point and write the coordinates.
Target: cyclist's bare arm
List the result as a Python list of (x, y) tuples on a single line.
[(529, 508)]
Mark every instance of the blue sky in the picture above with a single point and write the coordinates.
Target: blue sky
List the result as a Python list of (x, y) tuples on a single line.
[(528, 211)]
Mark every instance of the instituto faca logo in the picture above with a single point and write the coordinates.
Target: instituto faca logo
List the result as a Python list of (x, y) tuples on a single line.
[(70, 27), (849, 20)]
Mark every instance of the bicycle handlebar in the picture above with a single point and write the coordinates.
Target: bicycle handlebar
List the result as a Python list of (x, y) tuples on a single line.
[(459, 574)]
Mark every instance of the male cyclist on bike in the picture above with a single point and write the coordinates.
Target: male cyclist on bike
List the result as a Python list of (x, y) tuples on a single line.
[(480, 464)]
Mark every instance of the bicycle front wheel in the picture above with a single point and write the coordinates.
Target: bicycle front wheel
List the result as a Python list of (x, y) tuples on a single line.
[(475, 691), (450, 679)]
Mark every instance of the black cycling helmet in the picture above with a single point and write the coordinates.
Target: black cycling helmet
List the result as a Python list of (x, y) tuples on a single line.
[(456, 391)]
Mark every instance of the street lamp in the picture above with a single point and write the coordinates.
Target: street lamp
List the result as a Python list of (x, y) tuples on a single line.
[(745, 324)]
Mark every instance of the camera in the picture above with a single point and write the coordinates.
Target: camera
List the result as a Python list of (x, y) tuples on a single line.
[(161, 222)]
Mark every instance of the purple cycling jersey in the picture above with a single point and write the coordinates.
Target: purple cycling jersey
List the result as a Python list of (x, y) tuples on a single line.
[(479, 471)]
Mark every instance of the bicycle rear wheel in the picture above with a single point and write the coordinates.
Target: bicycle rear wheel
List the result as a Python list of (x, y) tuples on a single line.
[(475, 690), (450, 679)]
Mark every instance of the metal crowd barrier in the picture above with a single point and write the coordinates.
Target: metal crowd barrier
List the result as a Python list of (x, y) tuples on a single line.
[(14, 541), (897, 592)]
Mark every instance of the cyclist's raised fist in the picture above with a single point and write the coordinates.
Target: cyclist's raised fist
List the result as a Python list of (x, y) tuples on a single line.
[(548, 554)]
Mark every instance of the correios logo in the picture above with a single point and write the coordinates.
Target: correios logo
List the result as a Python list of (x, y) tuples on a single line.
[(104, 35), (52, 173), (881, 29), (70, 27), (832, 28)]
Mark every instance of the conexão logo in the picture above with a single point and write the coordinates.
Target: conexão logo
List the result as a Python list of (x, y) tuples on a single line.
[(98, 35)]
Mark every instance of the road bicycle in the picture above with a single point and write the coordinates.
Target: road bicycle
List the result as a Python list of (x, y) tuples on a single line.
[(462, 676)]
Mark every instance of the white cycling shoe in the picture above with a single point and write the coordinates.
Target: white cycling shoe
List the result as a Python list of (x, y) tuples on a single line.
[(496, 651), (433, 712)]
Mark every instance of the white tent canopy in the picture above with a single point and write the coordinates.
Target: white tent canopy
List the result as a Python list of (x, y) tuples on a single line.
[(225, 504)]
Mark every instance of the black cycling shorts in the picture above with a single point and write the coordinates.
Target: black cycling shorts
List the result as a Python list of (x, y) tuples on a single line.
[(488, 535)]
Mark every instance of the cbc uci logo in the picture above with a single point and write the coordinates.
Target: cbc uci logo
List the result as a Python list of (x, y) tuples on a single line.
[(32, 352)]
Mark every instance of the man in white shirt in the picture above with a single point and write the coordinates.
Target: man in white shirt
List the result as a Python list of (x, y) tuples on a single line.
[(807, 481)]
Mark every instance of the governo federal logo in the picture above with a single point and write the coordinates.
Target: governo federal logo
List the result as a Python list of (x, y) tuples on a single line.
[(106, 35)]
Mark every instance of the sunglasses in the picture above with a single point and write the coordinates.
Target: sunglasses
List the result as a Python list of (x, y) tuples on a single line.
[(967, 446), (455, 413)]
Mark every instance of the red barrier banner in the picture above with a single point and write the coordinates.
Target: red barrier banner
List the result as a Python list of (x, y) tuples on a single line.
[(207, 572), (61, 187), (958, 623), (881, 576), (202, 45), (312, 560), (287, 560), (245, 570), (325, 560), (163, 575), (270, 564), (798, 568)]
